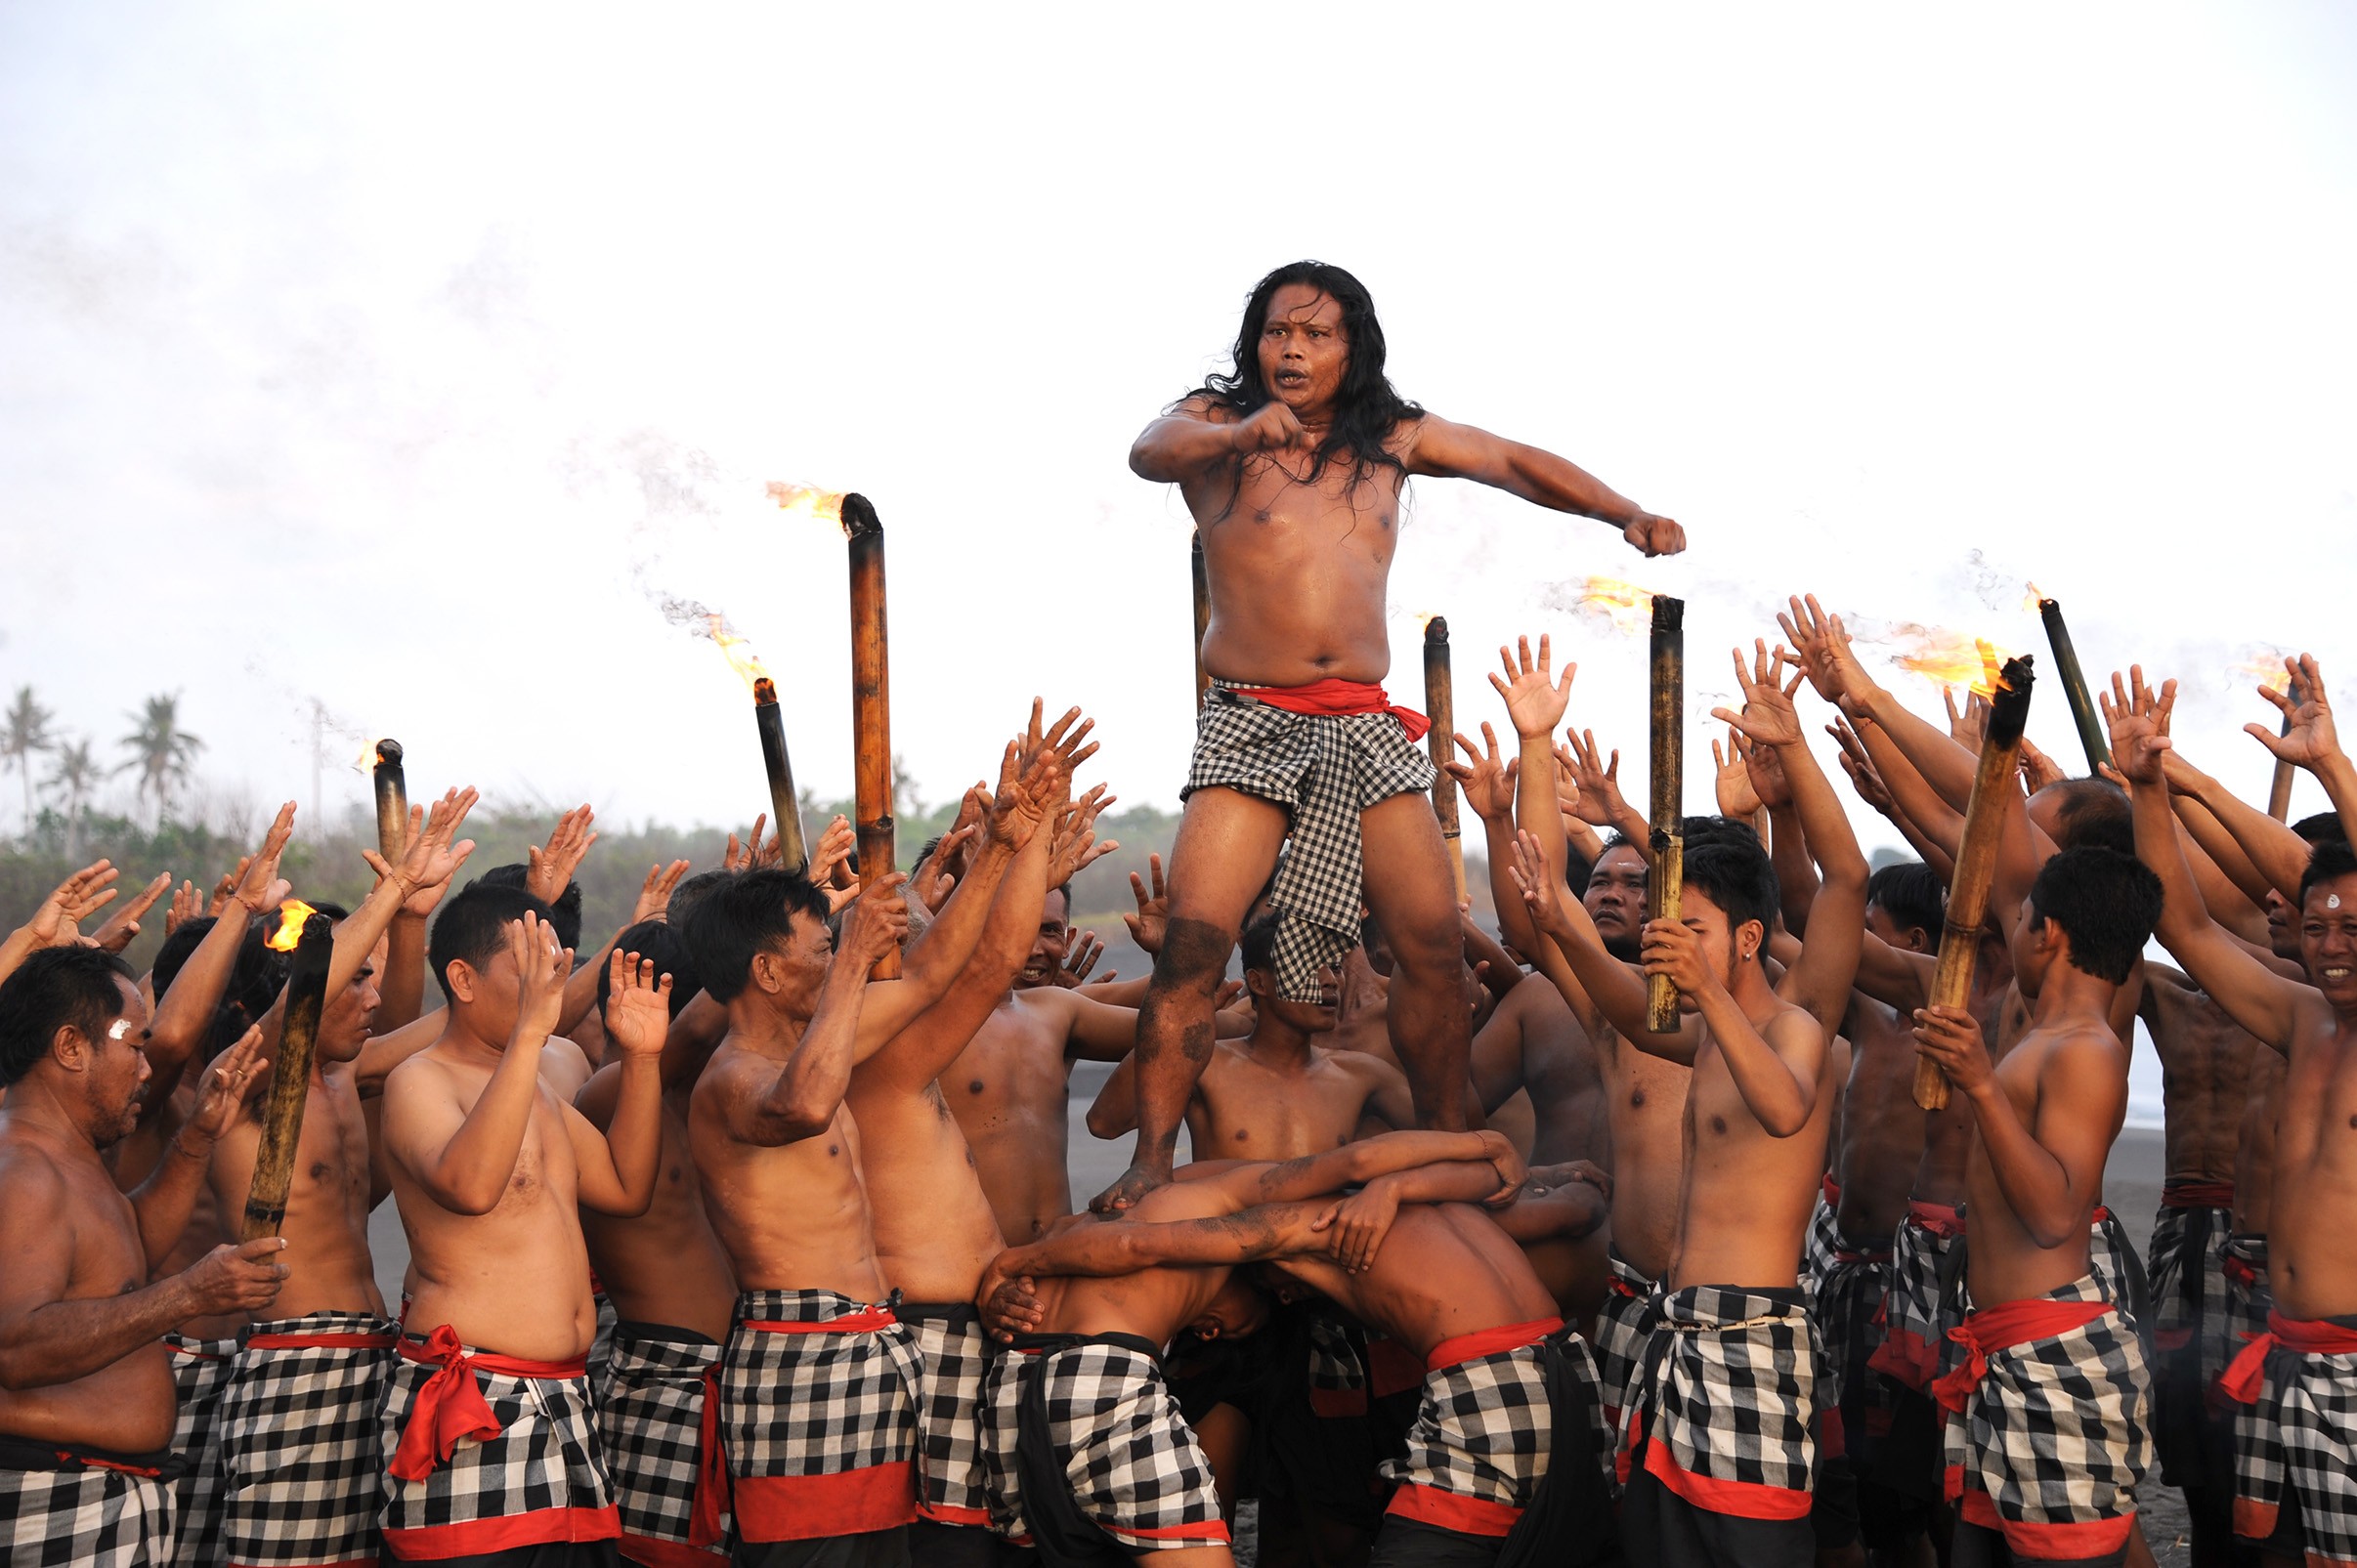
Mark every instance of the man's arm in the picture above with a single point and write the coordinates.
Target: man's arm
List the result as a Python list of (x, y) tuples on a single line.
[(800, 1101), (2051, 1176), (1315, 1175), (428, 863), (1112, 1247), (2311, 740), (1774, 1066), (1198, 434), (184, 1014), (1618, 989), (59, 919), (617, 1166), (165, 1200), (1446, 449)]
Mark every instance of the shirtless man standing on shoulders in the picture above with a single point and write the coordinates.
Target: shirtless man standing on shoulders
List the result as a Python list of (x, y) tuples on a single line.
[(1291, 465), (86, 1396)]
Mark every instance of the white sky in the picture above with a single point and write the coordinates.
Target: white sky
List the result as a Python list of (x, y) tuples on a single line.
[(393, 356)]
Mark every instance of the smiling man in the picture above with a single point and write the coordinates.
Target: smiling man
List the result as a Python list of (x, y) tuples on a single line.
[(1293, 464)]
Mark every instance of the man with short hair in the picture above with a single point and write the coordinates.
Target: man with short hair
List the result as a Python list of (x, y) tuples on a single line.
[(489, 1439), (86, 1395), (1293, 464)]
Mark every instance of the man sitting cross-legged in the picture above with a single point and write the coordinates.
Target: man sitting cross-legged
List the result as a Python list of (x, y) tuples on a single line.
[(1087, 1454)]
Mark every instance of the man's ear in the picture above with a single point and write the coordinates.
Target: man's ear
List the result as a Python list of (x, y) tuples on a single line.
[(71, 1048), (461, 976), (1258, 984), (1751, 938), (764, 973)]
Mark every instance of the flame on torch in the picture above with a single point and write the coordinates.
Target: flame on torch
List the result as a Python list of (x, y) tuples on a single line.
[(291, 917), (741, 656), (1609, 602), (808, 501), (1938, 654), (2267, 670), (1425, 617), (2033, 600)]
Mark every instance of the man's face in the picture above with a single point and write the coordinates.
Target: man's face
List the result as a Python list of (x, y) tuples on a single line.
[(2328, 940), (1240, 1308), (1907, 939), (2283, 926), (117, 1074), (1049, 946), (2031, 949), (492, 995), (1304, 350), (1616, 899), (1309, 1017), (345, 1022), (1717, 934), (798, 965)]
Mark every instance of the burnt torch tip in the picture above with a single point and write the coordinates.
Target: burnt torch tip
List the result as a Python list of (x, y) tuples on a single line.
[(388, 753), (1436, 630), (859, 516), (1669, 614), (765, 691)]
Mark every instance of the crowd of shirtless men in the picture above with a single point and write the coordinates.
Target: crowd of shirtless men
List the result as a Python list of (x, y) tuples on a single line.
[(719, 1245)]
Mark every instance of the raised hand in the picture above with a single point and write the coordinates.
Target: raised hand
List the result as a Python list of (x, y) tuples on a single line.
[(2312, 739), (874, 923), (1534, 699), (226, 1086), (745, 856), (258, 886), (1737, 796), (638, 1005), (1821, 646), (1086, 951), (1671, 947), (1654, 535), (2038, 769), (1859, 764), (934, 880), (1273, 427), (1486, 782), (551, 870), (1536, 881), (187, 905), (430, 861), (1152, 920), (2139, 724), (832, 852), (227, 884), (655, 893), (1967, 725), (541, 968), (1600, 797), (1076, 846), (123, 924), (1768, 718)]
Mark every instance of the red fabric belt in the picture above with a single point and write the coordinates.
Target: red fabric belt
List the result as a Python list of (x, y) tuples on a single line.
[(2007, 1324), (1831, 1189), (1842, 1255), (1941, 1220), (450, 1407), (1339, 698), (1489, 1341), (2242, 1379), (2197, 1195), (2243, 1274), (865, 1321), (712, 1484)]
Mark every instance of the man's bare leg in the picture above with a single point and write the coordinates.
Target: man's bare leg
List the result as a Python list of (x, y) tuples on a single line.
[(1409, 889), (1228, 845)]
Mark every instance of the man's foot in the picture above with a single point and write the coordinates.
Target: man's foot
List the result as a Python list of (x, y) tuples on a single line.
[(1135, 1183)]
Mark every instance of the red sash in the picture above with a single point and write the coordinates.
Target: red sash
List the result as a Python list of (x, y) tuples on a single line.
[(451, 1406), (2243, 1378), (2197, 1195), (2007, 1324), (1337, 698), (1944, 1221)]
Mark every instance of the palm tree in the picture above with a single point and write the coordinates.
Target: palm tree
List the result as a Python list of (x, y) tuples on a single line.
[(24, 732), (160, 749), (75, 771)]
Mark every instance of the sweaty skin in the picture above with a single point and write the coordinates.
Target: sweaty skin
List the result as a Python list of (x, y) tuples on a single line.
[(2206, 1075)]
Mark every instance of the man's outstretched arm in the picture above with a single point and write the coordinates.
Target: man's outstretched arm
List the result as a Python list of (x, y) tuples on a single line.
[(1446, 449)]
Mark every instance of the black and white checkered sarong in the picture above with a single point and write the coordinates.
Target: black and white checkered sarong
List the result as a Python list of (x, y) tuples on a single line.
[(2250, 1297), (818, 1417), (1484, 1428), (200, 1367), (1822, 1238), (1926, 1296), (1106, 1421), (950, 1486), (300, 1449), (2050, 1438), (1623, 1325), (1847, 1313), (649, 1393), (1324, 770), (539, 1478), (2191, 1330), (1727, 1395), (65, 1506), (2295, 1440)]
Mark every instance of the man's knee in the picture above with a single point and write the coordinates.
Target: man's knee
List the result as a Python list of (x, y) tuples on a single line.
[(1430, 950), (1193, 957)]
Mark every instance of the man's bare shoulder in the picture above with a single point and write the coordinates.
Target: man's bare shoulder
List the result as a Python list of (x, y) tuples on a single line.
[(33, 1177), (1359, 1065), (1203, 407), (428, 1072), (564, 1067)]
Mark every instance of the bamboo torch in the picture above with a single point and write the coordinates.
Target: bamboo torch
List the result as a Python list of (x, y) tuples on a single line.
[(1440, 705), (1976, 860), (311, 937), (1664, 886), (785, 810), (2091, 738), (870, 702), (1202, 621), (392, 803), (2279, 791)]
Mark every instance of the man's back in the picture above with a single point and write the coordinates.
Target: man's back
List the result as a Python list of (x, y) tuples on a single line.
[(1443, 1270)]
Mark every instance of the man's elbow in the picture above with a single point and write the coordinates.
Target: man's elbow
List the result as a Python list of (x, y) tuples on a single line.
[(1104, 1123)]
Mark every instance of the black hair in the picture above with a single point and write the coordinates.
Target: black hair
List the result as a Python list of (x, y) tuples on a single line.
[(564, 911), (1733, 873), (692, 892), (472, 927), (2327, 862), (2107, 904), (1259, 944), (1911, 894), (654, 939), (1367, 409), (52, 989), (176, 950), (2093, 813), (753, 911), (1065, 888), (2325, 824)]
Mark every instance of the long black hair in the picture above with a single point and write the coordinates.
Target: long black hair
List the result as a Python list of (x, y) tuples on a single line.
[(1366, 407)]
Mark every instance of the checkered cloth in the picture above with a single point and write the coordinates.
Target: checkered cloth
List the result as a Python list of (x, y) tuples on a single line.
[(2250, 1295), (1622, 1326), (955, 1348), (1094, 1414), (300, 1452), (817, 1417), (1485, 1428), (62, 1505), (200, 1367), (487, 1452), (2295, 1438), (2192, 1328), (1324, 768), (1338, 1374), (1846, 1312), (1726, 1399), (650, 1394), (2119, 1273), (2046, 1435), (1822, 1239), (1927, 1295)]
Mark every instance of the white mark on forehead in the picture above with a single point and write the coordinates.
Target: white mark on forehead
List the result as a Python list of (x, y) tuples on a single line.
[(2331, 901)]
